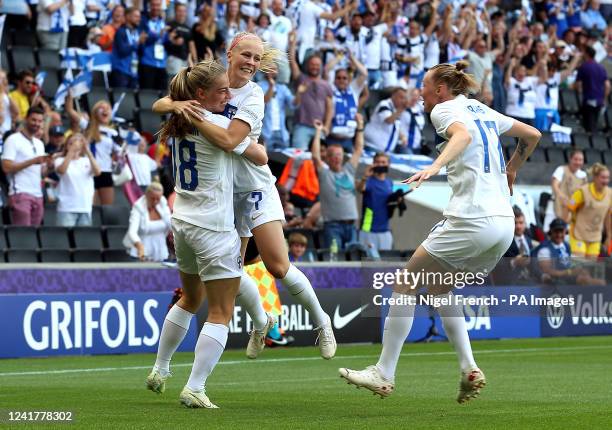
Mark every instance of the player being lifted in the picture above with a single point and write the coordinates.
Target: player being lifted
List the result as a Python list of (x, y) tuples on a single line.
[(478, 225)]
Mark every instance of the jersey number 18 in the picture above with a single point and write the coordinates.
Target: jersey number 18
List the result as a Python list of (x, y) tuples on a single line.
[(185, 153)]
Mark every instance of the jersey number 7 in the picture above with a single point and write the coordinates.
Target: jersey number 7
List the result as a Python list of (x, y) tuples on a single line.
[(490, 126)]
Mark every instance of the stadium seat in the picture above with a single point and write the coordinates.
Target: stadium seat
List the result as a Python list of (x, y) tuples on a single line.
[(148, 120), (22, 237), (96, 216), (546, 141), (54, 237), (537, 156), (599, 141), (592, 156), (21, 58), (115, 215), (50, 215), (391, 255), (146, 98), (3, 243), (572, 122), (114, 236), (55, 256), (556, 156), (128, 105), (116, 256), (48, 59), (22, 256), (580, 140), (87, 256), (23, 37), (95, 95), (87, 238), (569, 101)]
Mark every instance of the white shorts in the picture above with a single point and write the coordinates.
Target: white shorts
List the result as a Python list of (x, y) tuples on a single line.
[(471, 244), (210, 254), (254, 208)]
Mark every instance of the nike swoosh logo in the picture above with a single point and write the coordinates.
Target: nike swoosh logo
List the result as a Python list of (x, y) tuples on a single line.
[(342, 321), (254, 217)]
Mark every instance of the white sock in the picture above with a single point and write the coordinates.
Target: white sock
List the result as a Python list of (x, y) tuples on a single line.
[(453, 321), (173, 332), (248, 298), (209, 348), (397, 327), (299, 286)]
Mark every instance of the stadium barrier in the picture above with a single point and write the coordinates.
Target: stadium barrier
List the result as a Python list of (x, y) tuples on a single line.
[(66, 310)]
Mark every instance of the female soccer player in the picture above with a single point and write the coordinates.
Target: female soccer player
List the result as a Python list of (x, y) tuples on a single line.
[(206, 242), (479, 222), (258, 208)]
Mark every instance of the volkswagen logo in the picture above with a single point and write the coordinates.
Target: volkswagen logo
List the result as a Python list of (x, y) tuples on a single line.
[(555, 315)]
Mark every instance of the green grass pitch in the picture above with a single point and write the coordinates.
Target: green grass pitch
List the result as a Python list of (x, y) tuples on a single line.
[(541, 383)]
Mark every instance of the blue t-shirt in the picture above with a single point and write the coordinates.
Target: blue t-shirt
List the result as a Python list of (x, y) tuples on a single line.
[(593, 77), (375, 215)]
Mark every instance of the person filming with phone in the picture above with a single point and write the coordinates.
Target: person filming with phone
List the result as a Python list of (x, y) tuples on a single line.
[(24, 162)]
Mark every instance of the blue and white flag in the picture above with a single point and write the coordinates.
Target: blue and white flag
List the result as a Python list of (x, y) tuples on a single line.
[(40, 78), (81, 84), (72, 58), (116, 105), (62, 90), (100, 61)]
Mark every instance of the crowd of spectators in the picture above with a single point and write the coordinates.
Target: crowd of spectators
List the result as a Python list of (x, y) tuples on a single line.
[(351, 84)]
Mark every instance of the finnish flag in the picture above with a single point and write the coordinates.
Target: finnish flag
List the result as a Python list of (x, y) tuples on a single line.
[(62, 90), (40, 79), (72, 58), (100, 61), (81, 84)]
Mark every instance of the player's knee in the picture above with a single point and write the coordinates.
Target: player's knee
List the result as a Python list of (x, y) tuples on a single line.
[(278, 269)]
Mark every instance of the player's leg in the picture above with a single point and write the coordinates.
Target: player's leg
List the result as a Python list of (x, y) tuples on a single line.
[(211, 343), (272, 247)]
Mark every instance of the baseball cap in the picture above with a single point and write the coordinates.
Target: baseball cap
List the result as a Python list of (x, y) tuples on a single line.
[(558, 224)]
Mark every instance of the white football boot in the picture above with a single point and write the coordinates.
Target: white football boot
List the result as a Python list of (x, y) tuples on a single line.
[(196, 399), (470, 385), (257, 342), (369, 378), (326, 340), (156, 382)]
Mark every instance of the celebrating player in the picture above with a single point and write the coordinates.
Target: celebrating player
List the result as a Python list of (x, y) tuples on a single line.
[(206, 241), (258, 208), (479, 222)]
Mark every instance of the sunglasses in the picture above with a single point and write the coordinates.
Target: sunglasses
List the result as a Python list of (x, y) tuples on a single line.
[(28, 82)]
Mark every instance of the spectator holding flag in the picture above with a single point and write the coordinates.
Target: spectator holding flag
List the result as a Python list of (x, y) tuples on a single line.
[(102, 140), (25, 95), (124, 57), (52, 26), (152, 70)]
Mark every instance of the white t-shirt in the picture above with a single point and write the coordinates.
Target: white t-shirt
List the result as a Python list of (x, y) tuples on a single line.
[(75, 190), (479, 64), (553, 85), (558, 173), (247, 104), (378, 134), (373, 50), (432, 51), (203, 179), (142, 165), (477, 177), (57, 19), (280, 27), (6, 115), (18, 148), (416, 48), (527, 87), (78, 13), (104, 149), (308, 26)]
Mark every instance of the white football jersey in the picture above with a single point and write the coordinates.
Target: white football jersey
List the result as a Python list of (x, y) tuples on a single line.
[(247, 104), (477, 176), (522, 97), (204, 180), (548, 93)]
